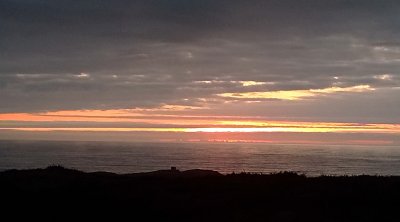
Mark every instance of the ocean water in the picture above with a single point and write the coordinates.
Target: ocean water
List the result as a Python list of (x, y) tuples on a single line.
[(120, 157)]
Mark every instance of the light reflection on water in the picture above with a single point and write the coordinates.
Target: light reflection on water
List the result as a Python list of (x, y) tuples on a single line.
[(225, 158)]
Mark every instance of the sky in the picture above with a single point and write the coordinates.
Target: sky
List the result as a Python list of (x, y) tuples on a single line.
[(299, 71)]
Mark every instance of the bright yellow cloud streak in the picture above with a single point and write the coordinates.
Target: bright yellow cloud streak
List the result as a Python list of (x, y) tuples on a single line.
[(284, 95), (295, 94), (359, 88), (252, 83)]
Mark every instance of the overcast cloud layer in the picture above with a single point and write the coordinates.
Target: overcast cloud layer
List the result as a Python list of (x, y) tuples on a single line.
[(66, 55)]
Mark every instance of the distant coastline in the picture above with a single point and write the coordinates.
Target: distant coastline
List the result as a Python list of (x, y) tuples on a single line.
[(225, 158)]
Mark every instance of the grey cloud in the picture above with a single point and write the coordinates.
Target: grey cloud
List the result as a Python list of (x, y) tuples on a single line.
[(152, 52)]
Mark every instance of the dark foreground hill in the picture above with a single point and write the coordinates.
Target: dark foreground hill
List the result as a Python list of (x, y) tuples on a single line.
[(57, 193)]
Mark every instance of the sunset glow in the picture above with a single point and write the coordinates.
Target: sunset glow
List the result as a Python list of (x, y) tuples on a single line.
[(246, 76), (177, 123)]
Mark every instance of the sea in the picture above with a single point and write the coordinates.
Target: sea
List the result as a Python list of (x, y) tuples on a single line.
[(125, 157)]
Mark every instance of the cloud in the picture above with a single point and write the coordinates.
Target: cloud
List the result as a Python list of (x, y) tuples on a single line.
[(124, 54), (295, 94)]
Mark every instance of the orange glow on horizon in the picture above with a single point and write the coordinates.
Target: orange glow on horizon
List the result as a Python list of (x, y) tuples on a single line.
[(175, 123), (296, 129)]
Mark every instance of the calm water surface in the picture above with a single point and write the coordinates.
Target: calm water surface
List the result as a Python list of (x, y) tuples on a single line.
[(226, 158)]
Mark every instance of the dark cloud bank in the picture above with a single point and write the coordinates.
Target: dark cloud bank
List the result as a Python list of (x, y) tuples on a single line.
[(125, 54)]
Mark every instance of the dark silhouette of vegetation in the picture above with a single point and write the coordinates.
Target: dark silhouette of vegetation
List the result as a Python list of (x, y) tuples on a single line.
[(196, 195)]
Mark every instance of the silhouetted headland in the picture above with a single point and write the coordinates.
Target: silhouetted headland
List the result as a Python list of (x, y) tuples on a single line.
[(197, 195)]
